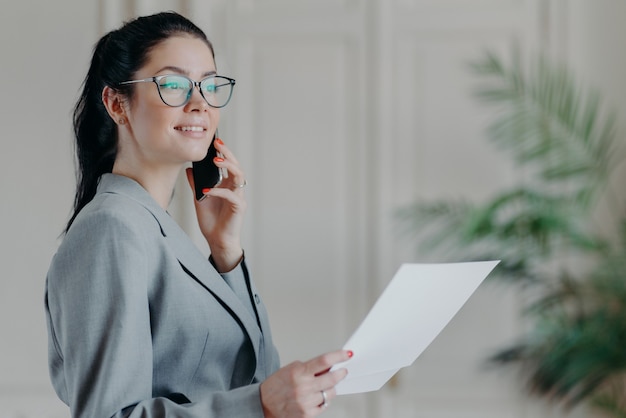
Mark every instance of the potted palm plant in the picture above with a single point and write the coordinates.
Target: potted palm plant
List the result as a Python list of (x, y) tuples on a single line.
[(545, 231)]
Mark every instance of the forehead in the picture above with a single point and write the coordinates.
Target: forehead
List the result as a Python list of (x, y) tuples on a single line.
[(188, 53)]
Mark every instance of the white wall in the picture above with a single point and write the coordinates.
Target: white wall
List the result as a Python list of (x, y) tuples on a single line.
[(595, 50), (45, 48)]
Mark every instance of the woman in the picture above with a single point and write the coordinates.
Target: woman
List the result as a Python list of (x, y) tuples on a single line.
[(140, 323)]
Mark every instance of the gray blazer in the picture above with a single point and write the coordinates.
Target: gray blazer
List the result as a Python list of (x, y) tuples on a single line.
[(140, 324)]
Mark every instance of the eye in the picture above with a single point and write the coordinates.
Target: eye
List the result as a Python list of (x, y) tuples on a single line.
[(174, 83), (210, 87)]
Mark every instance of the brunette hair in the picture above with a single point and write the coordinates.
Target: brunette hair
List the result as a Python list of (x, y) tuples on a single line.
[(117, 56)]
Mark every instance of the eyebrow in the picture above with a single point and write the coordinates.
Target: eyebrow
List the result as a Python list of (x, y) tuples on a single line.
[(185, 72)]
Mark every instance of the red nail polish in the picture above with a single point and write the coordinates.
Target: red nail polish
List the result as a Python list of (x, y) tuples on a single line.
[(350, 353), (219, 141), (218, 160), (322, 372), (206, 190)]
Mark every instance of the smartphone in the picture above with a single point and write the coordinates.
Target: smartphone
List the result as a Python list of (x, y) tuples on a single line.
[(206, 175)]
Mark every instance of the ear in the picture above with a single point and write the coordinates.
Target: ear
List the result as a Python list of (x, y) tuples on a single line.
[(114, 103)]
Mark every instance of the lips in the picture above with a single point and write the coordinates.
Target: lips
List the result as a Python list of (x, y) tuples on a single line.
[(190, 128)]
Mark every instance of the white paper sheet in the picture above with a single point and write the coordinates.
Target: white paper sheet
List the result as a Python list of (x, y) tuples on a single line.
[(415, 307)]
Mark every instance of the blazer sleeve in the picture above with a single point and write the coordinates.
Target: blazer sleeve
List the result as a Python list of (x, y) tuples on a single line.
[(99, 328)]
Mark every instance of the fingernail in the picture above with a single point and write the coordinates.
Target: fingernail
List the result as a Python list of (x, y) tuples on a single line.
[(219, 141), (218, 160), (350, 353), (206, 190), (322, 372)]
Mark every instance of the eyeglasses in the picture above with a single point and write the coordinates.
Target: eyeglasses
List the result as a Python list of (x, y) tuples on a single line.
[(176, 90)]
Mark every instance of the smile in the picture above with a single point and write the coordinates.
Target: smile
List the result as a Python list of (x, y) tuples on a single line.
[(190, 128)]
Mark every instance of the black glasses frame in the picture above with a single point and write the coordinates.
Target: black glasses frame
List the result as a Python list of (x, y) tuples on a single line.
[(194, 84)]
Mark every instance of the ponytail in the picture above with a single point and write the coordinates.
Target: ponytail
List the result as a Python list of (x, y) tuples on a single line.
[(95, 133)]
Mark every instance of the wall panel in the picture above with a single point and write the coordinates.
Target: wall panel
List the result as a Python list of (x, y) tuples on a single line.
[(287, 7), (437, 149)]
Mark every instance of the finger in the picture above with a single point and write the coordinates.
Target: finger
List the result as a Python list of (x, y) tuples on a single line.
[(330, 394), (321, 363), (322, 372), (323, 403), (235, 199), (235, 174), (226, 152), (227, 162), (323, 399), (330, 380)]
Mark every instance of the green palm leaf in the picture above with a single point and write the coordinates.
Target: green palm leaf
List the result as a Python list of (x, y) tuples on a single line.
[(560, 131), (546, 121), (576, 349)]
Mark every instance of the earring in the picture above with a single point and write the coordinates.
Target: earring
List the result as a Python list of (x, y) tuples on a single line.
[(122, 121)]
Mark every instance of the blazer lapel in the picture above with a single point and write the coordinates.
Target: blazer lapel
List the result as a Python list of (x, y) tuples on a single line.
[(199, 268), (188, 255)]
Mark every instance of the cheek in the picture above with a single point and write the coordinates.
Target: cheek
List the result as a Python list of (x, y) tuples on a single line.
[(148, 109), (153, 119), (215, 118)]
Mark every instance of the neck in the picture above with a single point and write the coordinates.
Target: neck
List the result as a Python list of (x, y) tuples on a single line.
[(159, 182)]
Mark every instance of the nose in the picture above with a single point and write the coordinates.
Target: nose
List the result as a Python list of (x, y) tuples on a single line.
[(197, 101)]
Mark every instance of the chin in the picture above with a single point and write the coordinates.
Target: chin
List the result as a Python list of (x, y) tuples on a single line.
[(200, 155)]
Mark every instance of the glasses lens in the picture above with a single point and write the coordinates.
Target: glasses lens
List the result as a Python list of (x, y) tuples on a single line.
[(174, 89), (217, 90)]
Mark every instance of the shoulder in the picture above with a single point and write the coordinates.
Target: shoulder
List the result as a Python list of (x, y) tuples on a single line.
[(120, 202), (111, 213), (112, 232), (106, 256)]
